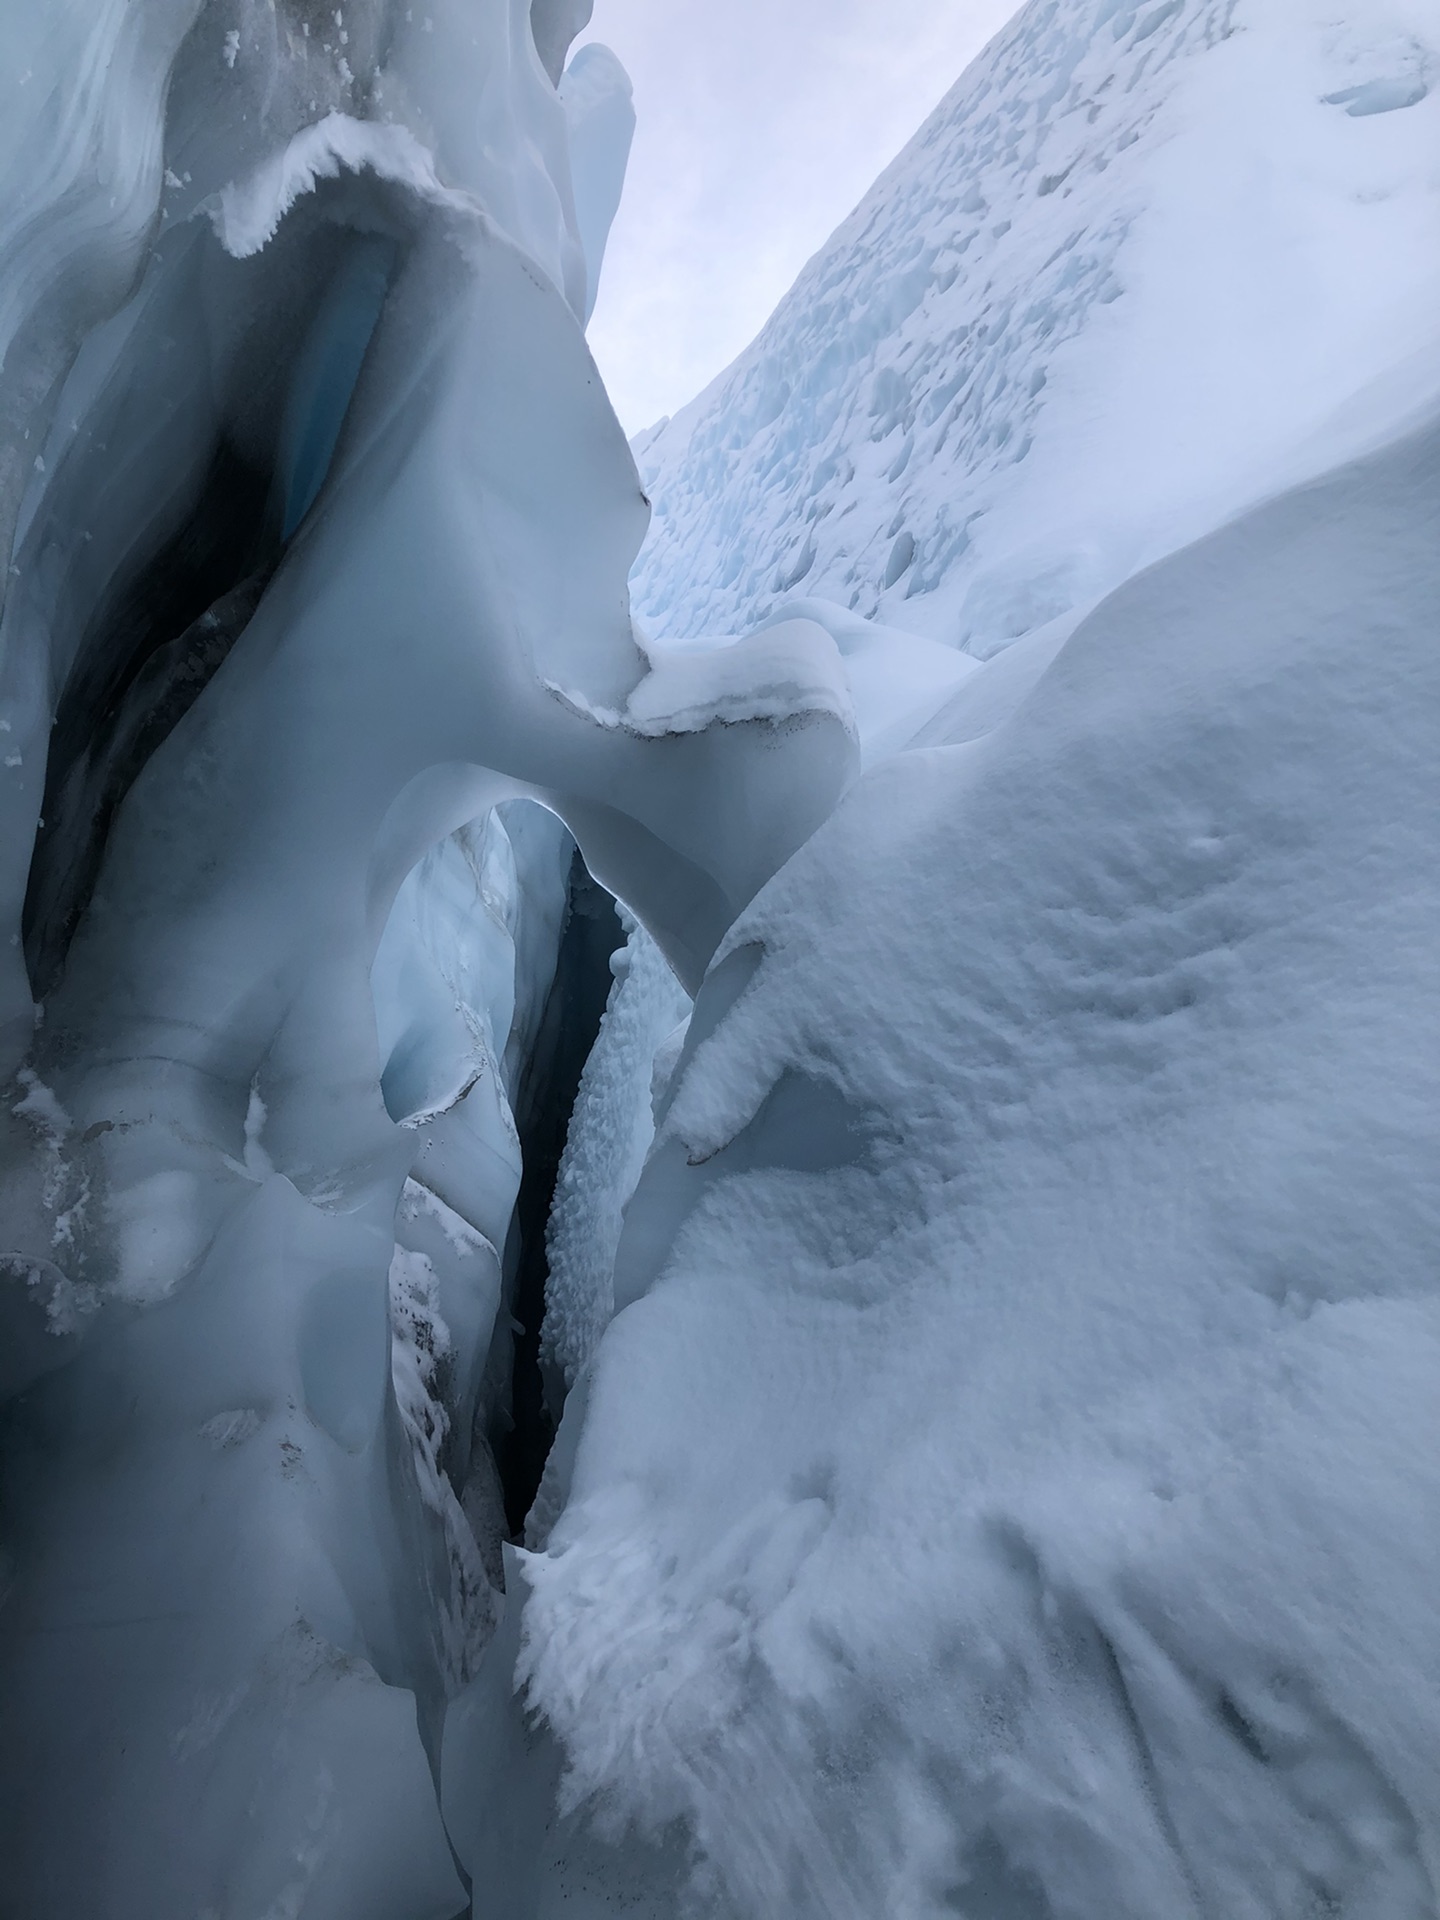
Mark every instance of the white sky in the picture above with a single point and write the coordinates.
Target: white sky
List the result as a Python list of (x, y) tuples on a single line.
[(761, 124)]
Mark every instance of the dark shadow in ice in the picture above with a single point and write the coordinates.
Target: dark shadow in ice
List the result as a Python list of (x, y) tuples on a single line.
[(551, 1080)]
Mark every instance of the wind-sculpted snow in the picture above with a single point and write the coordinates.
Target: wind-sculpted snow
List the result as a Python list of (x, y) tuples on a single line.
[(322, 561), (1007, 1486), (600, 117), (1012, 1490), (1124, 282)]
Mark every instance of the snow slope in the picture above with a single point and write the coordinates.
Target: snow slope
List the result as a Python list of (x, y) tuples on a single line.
[(1012, 1489), (1008, 1486), (1125, 280)]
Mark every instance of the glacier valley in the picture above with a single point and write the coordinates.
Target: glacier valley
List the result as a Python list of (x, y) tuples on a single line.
[(718, 1171)]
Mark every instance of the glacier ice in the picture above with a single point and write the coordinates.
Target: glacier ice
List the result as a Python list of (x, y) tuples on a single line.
[(317, 587), (1147, 245), (1011, 1489), (988, 1338)]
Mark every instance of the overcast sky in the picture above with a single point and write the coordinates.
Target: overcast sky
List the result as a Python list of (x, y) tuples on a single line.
[(761, 123)]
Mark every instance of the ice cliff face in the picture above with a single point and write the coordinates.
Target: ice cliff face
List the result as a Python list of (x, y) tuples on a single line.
[(318, 524), (1144, 264), (993, 1336)]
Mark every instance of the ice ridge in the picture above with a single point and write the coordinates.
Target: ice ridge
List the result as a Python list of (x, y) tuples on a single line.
[(1148, 244)]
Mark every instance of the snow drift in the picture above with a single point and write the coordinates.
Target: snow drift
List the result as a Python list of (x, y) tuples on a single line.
[(1142, 266), (317, 587)]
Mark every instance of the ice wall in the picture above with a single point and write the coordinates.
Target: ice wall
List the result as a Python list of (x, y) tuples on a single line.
[(321, 558), (1009, 1486)]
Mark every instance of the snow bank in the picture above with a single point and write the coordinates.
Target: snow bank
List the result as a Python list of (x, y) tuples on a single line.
[(1013, 1487)]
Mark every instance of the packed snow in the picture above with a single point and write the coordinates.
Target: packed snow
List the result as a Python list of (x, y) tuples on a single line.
[(1011, 1489)]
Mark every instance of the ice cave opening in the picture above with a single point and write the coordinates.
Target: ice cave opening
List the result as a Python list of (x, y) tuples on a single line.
[(204, 426), (487, 1039)]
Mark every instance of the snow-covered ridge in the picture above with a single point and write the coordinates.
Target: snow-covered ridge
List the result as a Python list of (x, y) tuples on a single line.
[(1115, 288)]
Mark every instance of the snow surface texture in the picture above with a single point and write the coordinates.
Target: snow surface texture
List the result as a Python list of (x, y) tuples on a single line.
[(610, 1133), (1184, 249), (317, 586), (1007, 1484), (1013, 1488)]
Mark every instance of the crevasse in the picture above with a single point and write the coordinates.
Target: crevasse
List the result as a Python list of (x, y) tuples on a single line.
[(317, 588)]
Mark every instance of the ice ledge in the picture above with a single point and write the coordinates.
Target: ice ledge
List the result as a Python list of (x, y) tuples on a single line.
[(779, 673), (249, 212)]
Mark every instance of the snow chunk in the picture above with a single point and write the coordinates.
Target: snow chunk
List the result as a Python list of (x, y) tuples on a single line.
[(249, 212), (771, 674), (39, 1104), (897, 680), (231, 1429)]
